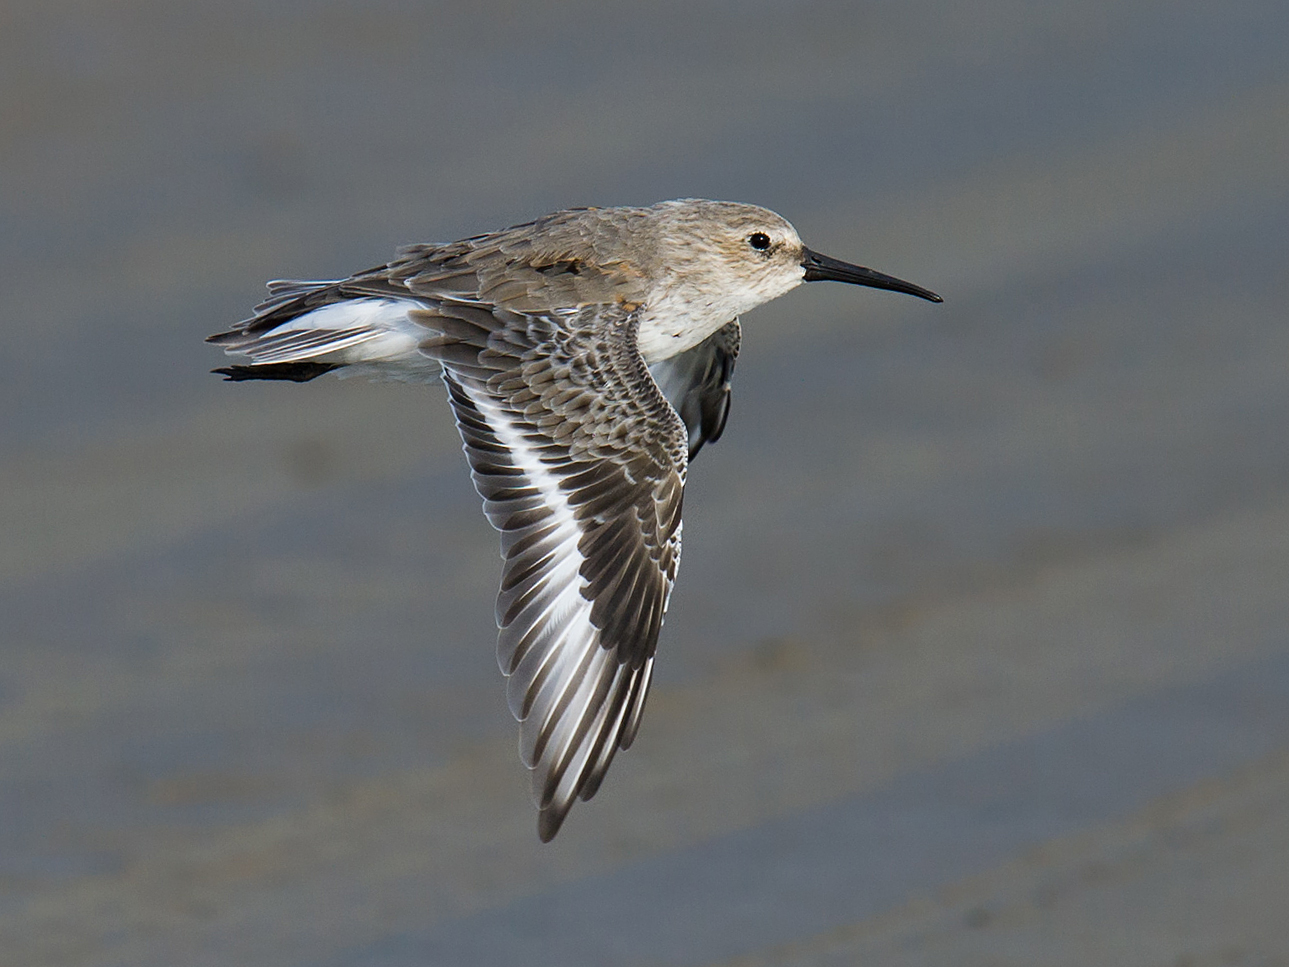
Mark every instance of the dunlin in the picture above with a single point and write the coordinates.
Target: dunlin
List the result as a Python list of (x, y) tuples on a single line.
[(587, 357)]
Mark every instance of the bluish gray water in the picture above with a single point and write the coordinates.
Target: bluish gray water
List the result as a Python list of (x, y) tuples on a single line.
[(249, 710)]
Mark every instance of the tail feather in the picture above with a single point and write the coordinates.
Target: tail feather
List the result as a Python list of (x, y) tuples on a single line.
[(295, 372), (306, 329)]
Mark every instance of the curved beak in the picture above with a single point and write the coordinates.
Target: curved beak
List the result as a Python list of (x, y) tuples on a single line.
[(820, 268)]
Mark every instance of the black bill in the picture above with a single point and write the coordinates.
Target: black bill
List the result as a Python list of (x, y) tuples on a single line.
[(820, 268)]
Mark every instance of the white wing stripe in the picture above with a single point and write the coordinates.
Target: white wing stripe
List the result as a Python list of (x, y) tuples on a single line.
[(578, 732), (560, 676)]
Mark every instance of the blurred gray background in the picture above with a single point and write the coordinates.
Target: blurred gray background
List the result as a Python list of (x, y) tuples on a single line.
[(980, 649)]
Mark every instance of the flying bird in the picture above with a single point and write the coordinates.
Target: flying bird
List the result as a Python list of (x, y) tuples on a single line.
[(587, 357)]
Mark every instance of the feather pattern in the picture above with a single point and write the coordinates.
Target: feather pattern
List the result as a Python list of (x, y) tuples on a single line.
[(588, 357), (580, 462), (579, 457)]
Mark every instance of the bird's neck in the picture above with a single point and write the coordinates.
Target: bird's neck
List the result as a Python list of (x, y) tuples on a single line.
[(680, 320)]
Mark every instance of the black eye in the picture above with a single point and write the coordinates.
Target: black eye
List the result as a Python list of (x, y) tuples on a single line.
[(759, 241)]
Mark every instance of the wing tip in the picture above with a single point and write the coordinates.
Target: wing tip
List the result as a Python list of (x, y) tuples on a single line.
[(550, 819)]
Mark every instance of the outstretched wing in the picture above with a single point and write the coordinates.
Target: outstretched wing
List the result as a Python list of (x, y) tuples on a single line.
[(581, 462), (697, 384), (579, 458)]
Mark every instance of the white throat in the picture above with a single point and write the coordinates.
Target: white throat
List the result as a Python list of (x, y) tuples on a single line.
[(679, 317)]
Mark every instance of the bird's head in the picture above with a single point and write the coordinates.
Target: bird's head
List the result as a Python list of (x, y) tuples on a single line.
[(743, 255)]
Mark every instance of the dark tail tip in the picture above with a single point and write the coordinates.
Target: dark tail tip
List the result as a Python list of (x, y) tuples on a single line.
[(295, 372)]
